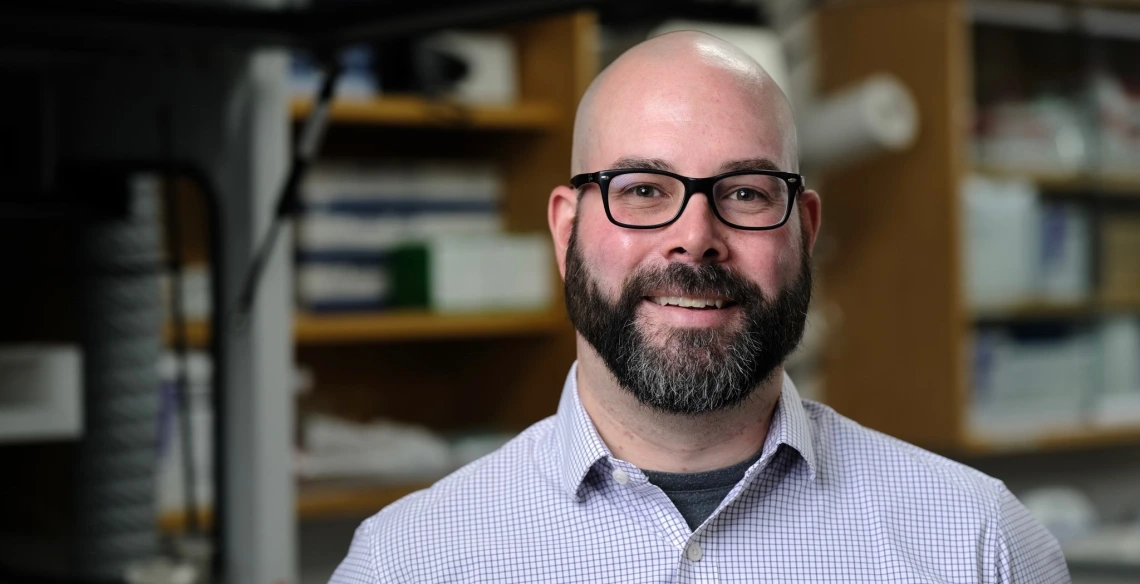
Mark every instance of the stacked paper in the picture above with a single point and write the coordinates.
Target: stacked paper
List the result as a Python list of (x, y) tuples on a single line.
[(355, 214)]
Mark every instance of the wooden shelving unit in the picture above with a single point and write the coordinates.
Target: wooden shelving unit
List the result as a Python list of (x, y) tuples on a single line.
[(412, 111), (498, 372), (900, 361)]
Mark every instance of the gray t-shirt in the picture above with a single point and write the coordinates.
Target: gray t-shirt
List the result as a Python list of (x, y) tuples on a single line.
[(696, 495)]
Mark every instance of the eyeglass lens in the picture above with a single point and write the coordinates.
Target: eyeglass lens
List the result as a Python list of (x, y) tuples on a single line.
[(747, 200)]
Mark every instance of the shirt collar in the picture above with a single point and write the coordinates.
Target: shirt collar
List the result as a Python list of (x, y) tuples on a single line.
[(580, 446), (792, 426)]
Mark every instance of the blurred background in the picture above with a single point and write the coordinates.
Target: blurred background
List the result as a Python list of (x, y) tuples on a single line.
[(270, 266)]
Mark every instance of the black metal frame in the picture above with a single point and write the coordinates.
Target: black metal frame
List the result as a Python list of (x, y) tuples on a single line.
[(72, 202), (132, 24), (602, 178)]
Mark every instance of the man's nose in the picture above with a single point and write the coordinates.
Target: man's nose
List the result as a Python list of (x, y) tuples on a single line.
[(697, 235)]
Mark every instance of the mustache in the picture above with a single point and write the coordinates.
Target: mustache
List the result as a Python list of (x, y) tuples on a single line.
[(703, 280)]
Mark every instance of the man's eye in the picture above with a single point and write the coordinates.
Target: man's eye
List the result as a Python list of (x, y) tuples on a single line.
[(645, 191), (745, 195)]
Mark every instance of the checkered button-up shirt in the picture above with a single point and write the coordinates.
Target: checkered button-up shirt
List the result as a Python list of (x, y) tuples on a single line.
[(828, 501)]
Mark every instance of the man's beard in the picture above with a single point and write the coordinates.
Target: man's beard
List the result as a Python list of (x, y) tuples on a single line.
[(697, 370)]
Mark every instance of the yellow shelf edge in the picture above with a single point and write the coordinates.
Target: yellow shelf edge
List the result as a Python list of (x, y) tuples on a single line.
[(1118, 184), (402, 325), (315, 501), (1054, 440), (418, 325), (1052, 310), (411, 111)]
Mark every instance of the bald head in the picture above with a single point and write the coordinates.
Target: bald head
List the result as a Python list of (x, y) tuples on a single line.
[(688, 78)]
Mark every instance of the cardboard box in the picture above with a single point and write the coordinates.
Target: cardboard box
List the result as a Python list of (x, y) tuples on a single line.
[(1120, 260)]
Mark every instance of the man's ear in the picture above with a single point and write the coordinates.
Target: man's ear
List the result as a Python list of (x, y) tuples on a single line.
[(811, 213), (560, 215)]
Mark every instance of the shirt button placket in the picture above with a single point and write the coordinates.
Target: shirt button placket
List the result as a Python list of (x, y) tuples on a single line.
[(694, 552), (695, 567)]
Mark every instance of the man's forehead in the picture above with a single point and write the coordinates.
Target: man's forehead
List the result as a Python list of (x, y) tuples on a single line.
[(690, 110), (708, 143)]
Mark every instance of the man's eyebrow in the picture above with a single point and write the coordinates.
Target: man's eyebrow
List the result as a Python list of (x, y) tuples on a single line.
[(660, 164), (639, 162), (749, 164)]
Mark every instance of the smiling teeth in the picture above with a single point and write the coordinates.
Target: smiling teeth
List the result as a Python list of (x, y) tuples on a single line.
[(687, 302)]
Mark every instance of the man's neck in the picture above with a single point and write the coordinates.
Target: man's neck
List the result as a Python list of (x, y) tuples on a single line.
[(653, 440)]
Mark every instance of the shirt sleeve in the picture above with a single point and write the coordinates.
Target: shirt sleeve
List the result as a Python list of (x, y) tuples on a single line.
[(359, 566), (1027, 552)]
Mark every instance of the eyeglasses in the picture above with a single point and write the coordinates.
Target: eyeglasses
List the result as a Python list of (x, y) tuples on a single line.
[(639, 198)]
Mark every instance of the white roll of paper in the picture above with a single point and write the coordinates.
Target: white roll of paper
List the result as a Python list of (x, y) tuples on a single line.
[(876, 116)]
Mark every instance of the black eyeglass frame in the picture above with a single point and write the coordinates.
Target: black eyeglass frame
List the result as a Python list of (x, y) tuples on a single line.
[(602, 178)]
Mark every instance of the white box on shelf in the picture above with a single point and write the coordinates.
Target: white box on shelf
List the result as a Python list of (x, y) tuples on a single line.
[(1118, 117), (320, 231), (339, 448), (196, 301), (426, 180), (370, 207), (1065, 267), (492, 76), (1025, 387), (1046, 135), (455, 181), (365, 285), (41, 392), (1119, 403), (1002, 223), (502, 272), (356, 180)]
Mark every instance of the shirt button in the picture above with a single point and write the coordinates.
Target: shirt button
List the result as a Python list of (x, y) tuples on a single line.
[(694, 552), (621, 476)]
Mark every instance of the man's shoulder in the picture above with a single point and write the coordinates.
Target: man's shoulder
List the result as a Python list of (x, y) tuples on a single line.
[(852, 453), (916, 493), (483, 496), (449, 532), (483, 481)]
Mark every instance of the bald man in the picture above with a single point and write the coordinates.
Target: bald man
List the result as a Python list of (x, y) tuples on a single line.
[(680, 451)]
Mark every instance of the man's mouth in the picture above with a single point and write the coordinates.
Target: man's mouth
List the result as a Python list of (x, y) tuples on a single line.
[(691, 302)]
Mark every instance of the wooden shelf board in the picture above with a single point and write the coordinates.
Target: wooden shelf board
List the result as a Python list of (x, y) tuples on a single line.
[(418, 325), (1055, 440), (1109, 184), (402, 325), (1051, 311), (321, 501), (197, 333), (418, 112), (316, 501)]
